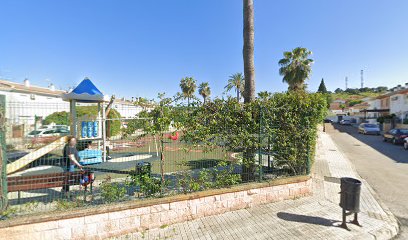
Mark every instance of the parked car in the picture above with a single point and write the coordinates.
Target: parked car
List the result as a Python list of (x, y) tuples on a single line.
[(345, 122), (368, 128), (396, 135), (37, 133), (328, 120), (48, 133), (61, 127), (406, 143)]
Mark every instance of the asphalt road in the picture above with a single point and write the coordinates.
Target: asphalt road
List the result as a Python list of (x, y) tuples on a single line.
[(383, 165)]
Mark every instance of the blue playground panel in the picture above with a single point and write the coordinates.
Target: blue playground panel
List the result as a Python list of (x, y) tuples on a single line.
[(90, 156)]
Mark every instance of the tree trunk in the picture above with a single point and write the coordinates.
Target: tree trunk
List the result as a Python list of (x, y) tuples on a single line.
[(248, 165), (248, 168), (237, 94), (248, 51), (107, 111)]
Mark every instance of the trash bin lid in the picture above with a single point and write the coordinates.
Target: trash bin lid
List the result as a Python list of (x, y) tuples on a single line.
[(349, 180)]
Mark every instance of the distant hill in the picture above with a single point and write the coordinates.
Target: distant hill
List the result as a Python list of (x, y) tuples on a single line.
[(354, 96), (350, 96)]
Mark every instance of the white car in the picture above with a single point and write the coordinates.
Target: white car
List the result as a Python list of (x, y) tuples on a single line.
[(406, 143), (48, 133), (368, 128)]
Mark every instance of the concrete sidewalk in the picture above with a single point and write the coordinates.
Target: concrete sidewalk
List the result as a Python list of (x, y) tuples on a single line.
[(314, 217)]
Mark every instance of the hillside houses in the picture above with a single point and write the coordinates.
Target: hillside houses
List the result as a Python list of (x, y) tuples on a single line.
[(392, 103)]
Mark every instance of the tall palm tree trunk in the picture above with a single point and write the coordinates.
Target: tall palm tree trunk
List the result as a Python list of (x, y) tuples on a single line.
[(237, 94), (248, 51), (248, 167)]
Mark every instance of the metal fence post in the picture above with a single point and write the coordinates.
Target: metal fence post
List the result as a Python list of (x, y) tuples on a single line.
[(260, 144), (3, 156), (308, 152)]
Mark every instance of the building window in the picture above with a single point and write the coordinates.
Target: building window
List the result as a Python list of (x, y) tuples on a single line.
[(394, 98)]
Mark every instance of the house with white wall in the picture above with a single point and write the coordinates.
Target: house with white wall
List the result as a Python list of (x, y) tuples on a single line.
[(373, 105), (126, 108), (25, 104), (399, 103)]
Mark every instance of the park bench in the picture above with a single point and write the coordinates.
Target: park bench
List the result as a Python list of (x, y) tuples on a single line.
[(90, 156), (44, 181)]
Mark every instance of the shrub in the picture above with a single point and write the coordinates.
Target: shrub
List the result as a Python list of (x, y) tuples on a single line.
[(63, 204), (289, 119), (220, 176), (111, 191), (148, 185), (8, 213), (186, 183), (224, 176)]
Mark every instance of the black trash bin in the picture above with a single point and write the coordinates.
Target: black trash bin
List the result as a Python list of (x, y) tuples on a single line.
[(143, 168), (350, 194), (350, 189)]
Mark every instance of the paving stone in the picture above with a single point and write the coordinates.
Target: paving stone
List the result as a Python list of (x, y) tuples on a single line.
[(313, 217)]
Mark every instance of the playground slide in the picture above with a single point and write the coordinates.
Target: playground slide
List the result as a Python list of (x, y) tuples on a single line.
[(31, 157)]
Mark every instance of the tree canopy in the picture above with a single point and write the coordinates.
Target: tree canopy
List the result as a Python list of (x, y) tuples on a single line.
[(204, 90), (322, 87), (188, 86), (237, 82), (63, 118), (296, 68)]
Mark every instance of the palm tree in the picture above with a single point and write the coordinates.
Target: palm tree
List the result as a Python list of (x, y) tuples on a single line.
[(204, 90), (296, 67), (236, 81), (188, 87), (248, 51)]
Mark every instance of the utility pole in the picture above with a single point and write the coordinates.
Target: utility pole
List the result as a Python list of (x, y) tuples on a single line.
[(362, 78), (346, 83)]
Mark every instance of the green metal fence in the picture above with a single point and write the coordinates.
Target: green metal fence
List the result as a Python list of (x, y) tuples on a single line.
[(137, 166)]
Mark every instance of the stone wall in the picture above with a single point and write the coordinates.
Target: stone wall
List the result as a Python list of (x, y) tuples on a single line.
[(118, 219)]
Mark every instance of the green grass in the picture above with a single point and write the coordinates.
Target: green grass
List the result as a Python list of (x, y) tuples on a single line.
[(180, 156)]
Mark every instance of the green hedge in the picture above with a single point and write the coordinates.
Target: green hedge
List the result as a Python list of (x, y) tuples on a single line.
[(288, 120)]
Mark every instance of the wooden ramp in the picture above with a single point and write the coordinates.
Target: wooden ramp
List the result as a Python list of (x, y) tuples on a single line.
[(31, 157)]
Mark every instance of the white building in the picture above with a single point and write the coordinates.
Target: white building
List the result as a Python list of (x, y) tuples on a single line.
[(399, 103), (127, 109), (24, 102), (374, 104)]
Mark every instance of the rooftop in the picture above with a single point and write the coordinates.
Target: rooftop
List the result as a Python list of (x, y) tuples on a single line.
[(27, 88)]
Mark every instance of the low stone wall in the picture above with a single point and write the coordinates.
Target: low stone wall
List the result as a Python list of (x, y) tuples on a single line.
[(121, 218)]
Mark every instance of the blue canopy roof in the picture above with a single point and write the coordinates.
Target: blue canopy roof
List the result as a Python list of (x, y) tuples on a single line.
[(86, 91)]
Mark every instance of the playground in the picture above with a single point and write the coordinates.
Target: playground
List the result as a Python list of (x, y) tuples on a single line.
[(36, 168), (118, 163)]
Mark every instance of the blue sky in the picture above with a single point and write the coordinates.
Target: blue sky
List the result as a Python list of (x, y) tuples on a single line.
[(140, 48)]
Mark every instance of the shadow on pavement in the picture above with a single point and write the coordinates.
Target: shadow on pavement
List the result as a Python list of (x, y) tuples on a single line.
[(395, 152), (306, 219)]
